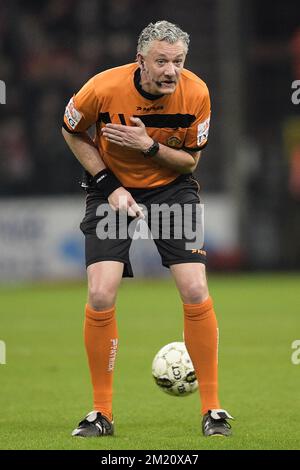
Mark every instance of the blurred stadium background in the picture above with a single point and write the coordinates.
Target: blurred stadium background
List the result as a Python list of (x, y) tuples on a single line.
[(249, 55), (248, 52)]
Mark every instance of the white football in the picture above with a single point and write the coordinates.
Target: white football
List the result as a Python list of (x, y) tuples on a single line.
[(173, 371)]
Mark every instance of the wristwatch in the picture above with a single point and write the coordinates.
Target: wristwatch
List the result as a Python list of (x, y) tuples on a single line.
[(152, 150)]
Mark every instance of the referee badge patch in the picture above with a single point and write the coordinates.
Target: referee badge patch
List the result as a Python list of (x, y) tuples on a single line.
[(202, 133), (73, 116), (173, 141)]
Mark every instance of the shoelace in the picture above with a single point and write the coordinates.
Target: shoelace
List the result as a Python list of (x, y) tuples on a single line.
[(221, 421), (97, 422)]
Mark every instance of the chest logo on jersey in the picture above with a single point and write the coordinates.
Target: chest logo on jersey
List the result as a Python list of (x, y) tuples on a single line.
[(173, 141), (149, 108)]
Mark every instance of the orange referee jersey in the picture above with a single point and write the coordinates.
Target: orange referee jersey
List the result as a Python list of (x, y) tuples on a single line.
[(179, 120)]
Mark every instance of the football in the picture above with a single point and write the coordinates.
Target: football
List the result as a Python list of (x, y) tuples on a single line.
[(173, 371)]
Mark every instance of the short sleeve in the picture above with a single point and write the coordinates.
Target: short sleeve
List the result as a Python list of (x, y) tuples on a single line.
[(82, 111), (197, 134)]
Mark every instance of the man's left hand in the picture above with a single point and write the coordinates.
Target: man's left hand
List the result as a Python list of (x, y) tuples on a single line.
[(133, 137)]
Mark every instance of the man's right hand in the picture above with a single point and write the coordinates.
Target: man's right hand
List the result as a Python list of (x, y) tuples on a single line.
[(121, 200)]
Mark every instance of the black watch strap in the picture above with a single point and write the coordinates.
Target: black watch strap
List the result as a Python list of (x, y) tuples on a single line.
[(152, 150)]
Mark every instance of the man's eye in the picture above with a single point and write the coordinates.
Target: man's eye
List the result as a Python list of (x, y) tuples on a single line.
[(178, 62), (160, 62)]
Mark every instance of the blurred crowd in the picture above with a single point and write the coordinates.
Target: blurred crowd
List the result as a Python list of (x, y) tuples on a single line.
[(48, 49)]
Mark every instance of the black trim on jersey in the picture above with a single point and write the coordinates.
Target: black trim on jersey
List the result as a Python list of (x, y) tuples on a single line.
[(145, 94), (122, 119), (195, 149), (64, 125), (105, 117), (167, 120)]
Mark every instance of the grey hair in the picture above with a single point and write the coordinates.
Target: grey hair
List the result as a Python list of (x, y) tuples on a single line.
[(161, 31)]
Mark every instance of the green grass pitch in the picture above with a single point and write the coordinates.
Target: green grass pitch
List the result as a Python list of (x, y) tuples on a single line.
[(45, 387)]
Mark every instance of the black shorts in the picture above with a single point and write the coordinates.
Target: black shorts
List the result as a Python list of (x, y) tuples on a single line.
[(171, 215)]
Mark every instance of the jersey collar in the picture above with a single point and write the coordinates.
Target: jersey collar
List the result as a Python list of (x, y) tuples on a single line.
[(137, 84)]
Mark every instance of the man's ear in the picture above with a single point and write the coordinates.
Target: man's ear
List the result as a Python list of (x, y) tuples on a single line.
[(140, 61)]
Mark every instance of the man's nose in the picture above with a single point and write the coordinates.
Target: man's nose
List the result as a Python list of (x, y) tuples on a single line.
[(170, 69)]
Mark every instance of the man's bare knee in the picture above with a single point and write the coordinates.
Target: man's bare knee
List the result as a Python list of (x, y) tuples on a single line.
[(101, 297), (103, 280), (195, 292), (191, 282)]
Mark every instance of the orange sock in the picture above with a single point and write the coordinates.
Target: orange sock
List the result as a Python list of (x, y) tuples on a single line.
[(201, 339), (101, 341)]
